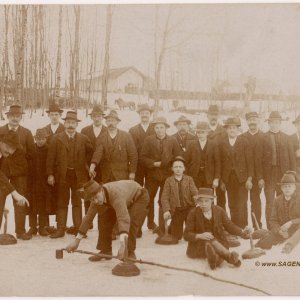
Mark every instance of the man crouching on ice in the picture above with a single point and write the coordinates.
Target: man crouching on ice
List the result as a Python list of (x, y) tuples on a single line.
[(124, 202), (204, 231)]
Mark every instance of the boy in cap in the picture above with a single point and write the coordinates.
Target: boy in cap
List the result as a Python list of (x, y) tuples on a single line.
[(285, 217), (255, 140), (41, 201), (205, 234), (236, 170), (203, 159), (18, 167), (9, 143), (278, 157), (177, 197), (157, 153), (123, 202), (68, 160)]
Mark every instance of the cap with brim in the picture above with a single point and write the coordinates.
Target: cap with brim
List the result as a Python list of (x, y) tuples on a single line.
[(182, 119), (91, 188), (54, 108), (205, 193), (144, 107), (250, 115), (97, 109), (274, 115), (178, 158), (113, 114), (213, 109), (202, 126), (289, 177), (41, 134), (15, 110), (11, 139), (232, 122), (161, 120), (71, 115)]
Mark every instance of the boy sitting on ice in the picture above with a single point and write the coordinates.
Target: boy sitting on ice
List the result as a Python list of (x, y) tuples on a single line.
[(285, 217), (177, 197), (204, 231)]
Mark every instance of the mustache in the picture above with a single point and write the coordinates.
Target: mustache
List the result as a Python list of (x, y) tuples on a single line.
[(70, 127)]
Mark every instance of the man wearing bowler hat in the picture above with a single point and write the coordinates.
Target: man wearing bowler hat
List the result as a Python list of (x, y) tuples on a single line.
[(296, 144), (183, 136), (255, 141), (156, 156), (68, 162), (123, 202), (236, 170), (9, 143), (278, 157), (203, 159), (139, 133), (18, 167)]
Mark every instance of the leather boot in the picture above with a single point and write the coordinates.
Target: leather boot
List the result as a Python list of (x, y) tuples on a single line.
[(212, 256), (58, 233), (61, 218)]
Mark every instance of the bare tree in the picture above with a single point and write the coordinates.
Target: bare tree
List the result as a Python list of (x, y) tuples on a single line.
[(106, 56)]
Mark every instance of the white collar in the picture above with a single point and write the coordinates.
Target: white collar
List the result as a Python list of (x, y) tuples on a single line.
[(145, 127), (232, 140), (213, 128), (13, 128), (253, 133), (97, 127), (69, 135), (202, 143), (54, 127)]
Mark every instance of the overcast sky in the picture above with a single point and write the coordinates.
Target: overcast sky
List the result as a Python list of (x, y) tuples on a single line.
[(217, 41)]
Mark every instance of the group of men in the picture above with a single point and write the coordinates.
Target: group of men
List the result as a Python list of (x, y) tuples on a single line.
[(217, 156)]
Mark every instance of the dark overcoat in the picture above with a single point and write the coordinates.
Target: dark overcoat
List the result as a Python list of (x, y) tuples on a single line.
[(184, 143), (5, 186), (50, 133)]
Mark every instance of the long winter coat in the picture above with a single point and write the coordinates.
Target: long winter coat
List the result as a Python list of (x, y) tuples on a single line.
[(5, 186), (118, 159), (184, 143), (57, 157), (195, 225), (50, 133)]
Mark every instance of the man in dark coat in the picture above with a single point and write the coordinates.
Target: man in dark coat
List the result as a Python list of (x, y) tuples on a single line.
[(9, 143), (236, 170), (215, 133), (255, 141), (157, 153), (203, 159), (116, 152), (183, 137), (123, 202), (278, 157), (296, 145), (19, 165), (139, 132), (68, 162)]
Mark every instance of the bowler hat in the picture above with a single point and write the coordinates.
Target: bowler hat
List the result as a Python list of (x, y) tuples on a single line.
[(202, 126), (15, 109), (232, 121), (41, 133), (274, 115), (297, 120), (178, 158), (54, 108), (113, 114), (71, 115), (97, 109), (161, 120), (288, 177), (205, 193), (182, 119), (12, 139), (213, 109), (252, 114), (144, 107), (91, 188)]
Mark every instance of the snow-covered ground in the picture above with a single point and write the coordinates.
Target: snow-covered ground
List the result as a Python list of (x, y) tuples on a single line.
[(29, 268)]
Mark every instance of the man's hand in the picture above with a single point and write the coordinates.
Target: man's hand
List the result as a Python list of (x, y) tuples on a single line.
[(223, 186), (51, 180), (249, 184), (261, 183), (246, 232), (286, 226), (73, 245), (167, 216), (131, 176), (215, 183), (123, 240), (157, 164), (21, 200), (205, 236), (92, 172)]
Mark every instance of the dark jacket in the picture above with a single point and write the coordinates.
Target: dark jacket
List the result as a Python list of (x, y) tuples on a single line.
[(212, 160), (152, 152), (170, 195), (296, 146), (195, 225), (255, 142), (242, 162), (277, 218), (122, 195), (5, 186), (287, 154), (217, 133), (184, 143), (57, 157), (119, 158)]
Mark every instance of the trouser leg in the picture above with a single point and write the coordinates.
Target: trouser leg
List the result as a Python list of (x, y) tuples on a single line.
[(256, 202), (152, 186), (269, 240), (221, 197), (2, 205), (178, 219), (33, 221), (43, 220), (62, 204)]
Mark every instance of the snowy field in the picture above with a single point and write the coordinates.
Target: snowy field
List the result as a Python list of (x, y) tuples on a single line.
[(29, 268)]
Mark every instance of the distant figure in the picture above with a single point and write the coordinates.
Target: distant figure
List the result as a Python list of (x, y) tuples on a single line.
[(125, 104)]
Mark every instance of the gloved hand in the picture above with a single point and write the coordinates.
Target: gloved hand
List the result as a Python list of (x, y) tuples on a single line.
[(167, 216), (249, 184), (261, 183), (73, 245), (215, 183), (123, 240)]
